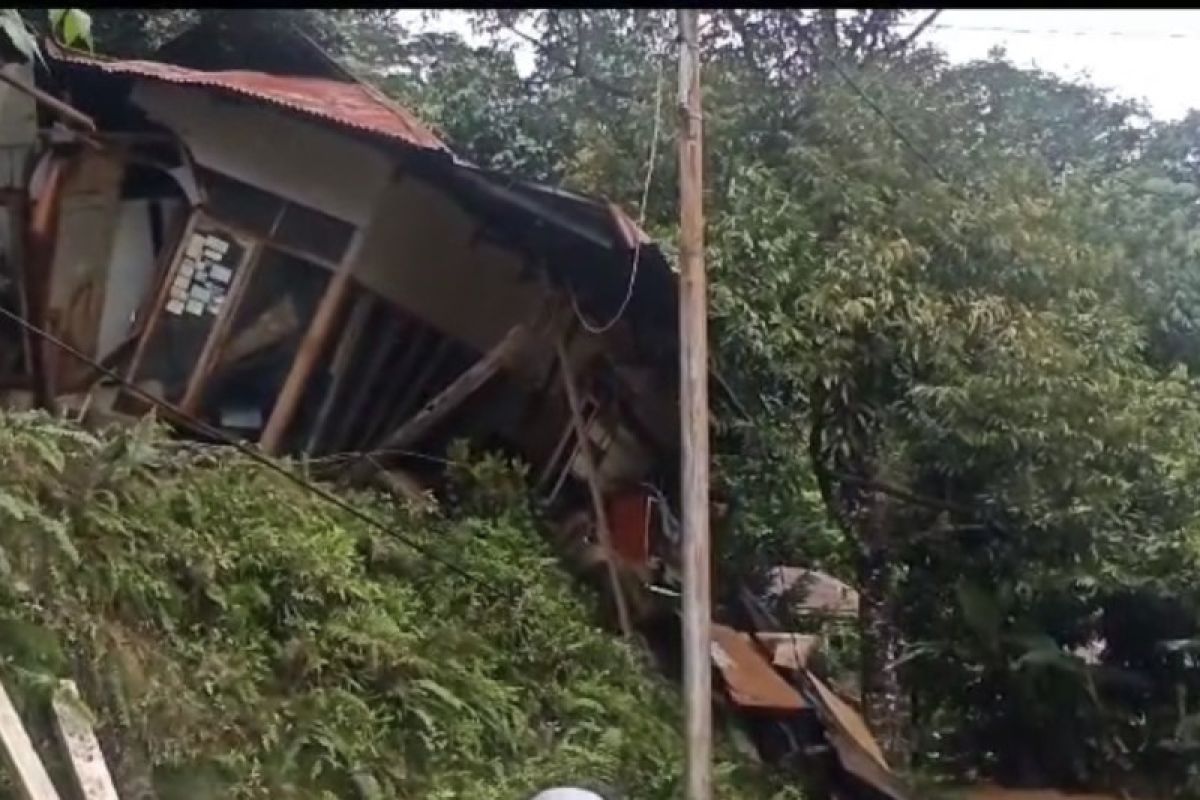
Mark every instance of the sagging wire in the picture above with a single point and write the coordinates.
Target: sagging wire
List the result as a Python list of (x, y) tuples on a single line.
[(255, 455), (637, 248)]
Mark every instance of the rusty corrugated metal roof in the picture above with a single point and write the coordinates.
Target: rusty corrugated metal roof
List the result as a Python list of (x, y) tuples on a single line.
[(351, 105)]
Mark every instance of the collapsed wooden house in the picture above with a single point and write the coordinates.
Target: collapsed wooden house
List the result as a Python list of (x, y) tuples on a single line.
[(272, 247)]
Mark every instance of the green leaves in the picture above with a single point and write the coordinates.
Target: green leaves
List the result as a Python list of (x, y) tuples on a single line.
[(18, 33), (72, 26), (257, 642)]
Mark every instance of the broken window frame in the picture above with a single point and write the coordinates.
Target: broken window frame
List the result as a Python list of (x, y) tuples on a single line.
[(197, 219)]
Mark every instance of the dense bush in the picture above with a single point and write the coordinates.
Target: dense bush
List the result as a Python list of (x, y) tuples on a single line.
[(238, 637)]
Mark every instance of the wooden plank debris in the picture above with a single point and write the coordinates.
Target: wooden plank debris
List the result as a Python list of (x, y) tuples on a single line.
[(420, 383), (856, 748), (751, 681), (32, 780), (595, 490), (74, 729)]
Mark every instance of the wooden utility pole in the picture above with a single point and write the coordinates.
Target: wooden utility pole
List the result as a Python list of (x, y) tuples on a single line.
[(693, 405)]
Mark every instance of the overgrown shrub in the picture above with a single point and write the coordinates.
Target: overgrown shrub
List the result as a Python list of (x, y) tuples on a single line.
[(238, 637)]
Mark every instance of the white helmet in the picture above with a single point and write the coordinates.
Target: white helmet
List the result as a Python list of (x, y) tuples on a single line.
[(567, 794)]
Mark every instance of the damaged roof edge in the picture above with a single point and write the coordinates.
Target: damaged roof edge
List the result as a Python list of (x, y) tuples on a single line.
[(347, 105), (358, 105)]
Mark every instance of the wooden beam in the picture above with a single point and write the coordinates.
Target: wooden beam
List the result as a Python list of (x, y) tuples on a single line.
[(30, 775), (64, 110), (311, 347), (74, 729), (450, 398), (174, 257), (340, 366), (42, 238), (589, 465)]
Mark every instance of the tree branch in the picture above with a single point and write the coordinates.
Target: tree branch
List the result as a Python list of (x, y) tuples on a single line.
[(917, 31), (576, 67), (900, 493)]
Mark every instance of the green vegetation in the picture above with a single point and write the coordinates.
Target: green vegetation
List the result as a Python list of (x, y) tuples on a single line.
[(238, 637), (960, 306)]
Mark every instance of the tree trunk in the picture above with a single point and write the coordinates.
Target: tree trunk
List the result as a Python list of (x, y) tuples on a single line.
[(885, 701)]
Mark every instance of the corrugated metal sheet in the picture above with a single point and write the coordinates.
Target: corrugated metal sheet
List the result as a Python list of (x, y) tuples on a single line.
[(790, 650), (750, 679), (351, 105), (856, 748), (996, 793)]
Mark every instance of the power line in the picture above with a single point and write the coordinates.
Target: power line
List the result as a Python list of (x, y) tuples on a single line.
[(929, 162), (253, 454), (1126, 34), (637, 248), (894, 126)]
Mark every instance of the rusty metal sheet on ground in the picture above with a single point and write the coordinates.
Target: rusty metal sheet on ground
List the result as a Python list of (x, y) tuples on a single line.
[(857, 750), (752, 682), (790, 650), (996, 793)]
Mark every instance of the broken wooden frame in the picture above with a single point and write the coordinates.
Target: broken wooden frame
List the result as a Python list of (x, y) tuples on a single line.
[(594, 488), (186, 262)]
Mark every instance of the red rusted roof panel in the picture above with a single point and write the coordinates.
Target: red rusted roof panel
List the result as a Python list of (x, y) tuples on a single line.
[(750, 679), (351, 105)]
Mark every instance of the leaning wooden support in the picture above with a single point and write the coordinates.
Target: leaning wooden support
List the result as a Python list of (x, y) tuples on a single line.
[(74, 729), (67, 112), (26, 768), (589, 465), (310, 349), (450, 398)]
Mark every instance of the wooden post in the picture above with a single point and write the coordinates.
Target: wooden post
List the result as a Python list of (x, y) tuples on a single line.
[(219, 333), (310, 348), (92, 778), (168, 269), (693, 405), (38, 274), (589, 466), (30, 777)]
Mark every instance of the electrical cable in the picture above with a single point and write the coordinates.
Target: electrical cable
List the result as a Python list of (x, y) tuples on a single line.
[(930, 163), (637, 249), (253, 454), (1064, 32)]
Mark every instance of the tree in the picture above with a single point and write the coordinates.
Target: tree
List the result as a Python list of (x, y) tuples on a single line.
[(951, 325), (966, 360)]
